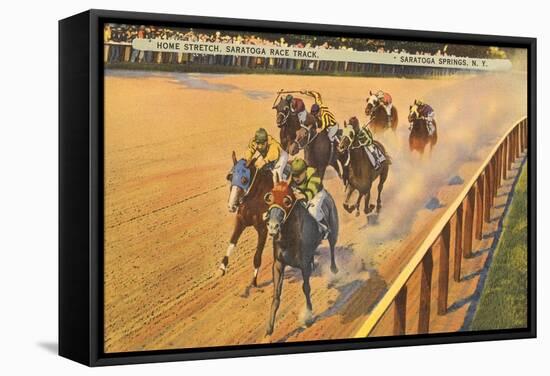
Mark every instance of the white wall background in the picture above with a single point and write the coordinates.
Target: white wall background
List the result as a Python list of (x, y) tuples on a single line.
[(28, 209)]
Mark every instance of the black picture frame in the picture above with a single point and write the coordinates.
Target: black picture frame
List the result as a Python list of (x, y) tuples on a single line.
[(81, 188)]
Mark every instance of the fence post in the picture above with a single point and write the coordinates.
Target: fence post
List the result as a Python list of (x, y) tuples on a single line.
[(489, 193), (522, 133), (458, 242), (505, 159), (516, 144), (479, 208), (426, 267), (469, 222), (493, 164), (509, 163), (443, 285), (499, 166), (400, 313)]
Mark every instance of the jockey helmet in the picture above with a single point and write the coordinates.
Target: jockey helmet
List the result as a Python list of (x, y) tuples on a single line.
[(315, 108), (261, 136), (380, 94), (289, 98), (298, 166)]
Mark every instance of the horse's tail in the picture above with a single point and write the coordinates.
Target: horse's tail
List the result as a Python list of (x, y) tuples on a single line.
[(383, 149)]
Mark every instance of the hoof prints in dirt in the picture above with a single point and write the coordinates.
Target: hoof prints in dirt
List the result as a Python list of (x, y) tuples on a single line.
[(260, 288)]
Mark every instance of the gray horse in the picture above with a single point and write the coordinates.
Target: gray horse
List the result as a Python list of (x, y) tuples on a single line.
[(296, 236)]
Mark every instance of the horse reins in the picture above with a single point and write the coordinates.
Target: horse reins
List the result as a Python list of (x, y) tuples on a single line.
[(309, 138)]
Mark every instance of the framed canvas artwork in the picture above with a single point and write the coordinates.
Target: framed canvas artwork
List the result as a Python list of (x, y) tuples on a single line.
[(240, 187)]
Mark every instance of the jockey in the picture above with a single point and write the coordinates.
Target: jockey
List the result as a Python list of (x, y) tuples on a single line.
[(427, 113), (298, 107), (307, 186), (385, 100), (268, 152), (366, 139), (325, 118)]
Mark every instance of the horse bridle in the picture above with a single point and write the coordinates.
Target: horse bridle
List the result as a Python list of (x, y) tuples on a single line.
[(309, 137), (285, 117), (286, 214), (241, 200), (374, 107)]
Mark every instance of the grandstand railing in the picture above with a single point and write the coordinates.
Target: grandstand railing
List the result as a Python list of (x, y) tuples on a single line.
[(129, 57), (470, 211)]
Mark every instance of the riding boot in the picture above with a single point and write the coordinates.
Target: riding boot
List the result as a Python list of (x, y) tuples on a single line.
[(389, 121)]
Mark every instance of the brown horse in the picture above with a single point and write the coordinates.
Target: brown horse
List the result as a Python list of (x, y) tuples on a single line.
[(246, 197), (288, 122), (361, 172), (319, 152), (419, 137), (296, 236), (377, 115)]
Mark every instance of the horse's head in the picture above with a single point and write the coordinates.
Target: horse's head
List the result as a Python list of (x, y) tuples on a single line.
[(281, 199), (372, 103), (283, 111), (414, 111), (240, 178), (348, 134)]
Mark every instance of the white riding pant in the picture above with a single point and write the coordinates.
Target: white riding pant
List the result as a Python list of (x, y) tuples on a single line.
[(302, 116), (388, 108), (429, 121), (315, 206), (332, 131), (280, 165)]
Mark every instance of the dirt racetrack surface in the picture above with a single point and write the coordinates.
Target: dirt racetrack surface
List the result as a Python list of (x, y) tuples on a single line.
[(168, 144)]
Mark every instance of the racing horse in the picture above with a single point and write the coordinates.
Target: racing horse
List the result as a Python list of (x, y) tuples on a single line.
[(288, 122), (296, 236), (246, 197), (318, 150), (377, 115), (419, 136), (361, 172)]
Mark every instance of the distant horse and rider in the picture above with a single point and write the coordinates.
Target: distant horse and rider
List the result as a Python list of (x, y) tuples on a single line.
[(368, 161), (381, 112), (313, 132), (290, 113), (423, 127)]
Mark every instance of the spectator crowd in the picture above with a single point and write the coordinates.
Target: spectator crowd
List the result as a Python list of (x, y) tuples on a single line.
[(118, 49)]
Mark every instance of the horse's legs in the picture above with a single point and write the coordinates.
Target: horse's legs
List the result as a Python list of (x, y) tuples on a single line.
[(237, 231), (368, 208), (278, 274), (358, 203), (306, 272), (261, 229), (382, 180), (348, 191), (332, 243)]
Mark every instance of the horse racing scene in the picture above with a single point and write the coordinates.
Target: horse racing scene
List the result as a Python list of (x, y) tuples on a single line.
[(268, 188)]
